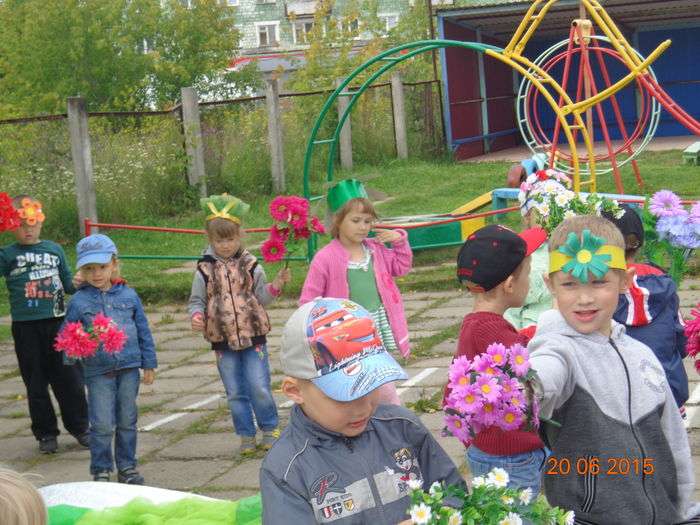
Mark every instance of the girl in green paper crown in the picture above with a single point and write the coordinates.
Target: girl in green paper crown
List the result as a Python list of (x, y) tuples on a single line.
[(354, 266), (227, 304)]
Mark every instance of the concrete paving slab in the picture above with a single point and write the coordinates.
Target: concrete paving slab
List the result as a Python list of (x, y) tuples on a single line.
[(182, 475), (203, 446), (9, 426), (185, 342), (12, 387), (175, 425), (435, 324), (230, 495), (178, 385), (447, 347), (178, 326), (190, 370), (13, 409), (185, 401), (19, 448), (244, 475), (170, 357), (59, 470), (456, 313), (159, 319), (8, 360)]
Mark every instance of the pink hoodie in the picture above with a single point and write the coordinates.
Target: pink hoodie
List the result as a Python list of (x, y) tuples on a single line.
[(328, 277)]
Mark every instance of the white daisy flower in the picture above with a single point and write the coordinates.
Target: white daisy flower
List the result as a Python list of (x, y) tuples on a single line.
[(420, 514), (478, 481), (435, 487), (619, 213), (525, 496), (497, 477), (568, 214), (542, 209), (511, 519), (455, 518), (569, 518), (414, 484), (551, 187), (507, 500)]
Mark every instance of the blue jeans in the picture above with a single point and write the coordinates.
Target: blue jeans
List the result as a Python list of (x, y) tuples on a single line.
[(524, 470), (246, 377), (112, 406)]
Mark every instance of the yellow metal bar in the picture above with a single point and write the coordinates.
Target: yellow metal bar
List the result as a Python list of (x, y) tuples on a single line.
[(521, 28), (533, 27), (617, 39)]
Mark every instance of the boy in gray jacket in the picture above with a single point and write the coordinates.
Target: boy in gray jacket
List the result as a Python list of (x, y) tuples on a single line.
[(621, 455), (342, 458)]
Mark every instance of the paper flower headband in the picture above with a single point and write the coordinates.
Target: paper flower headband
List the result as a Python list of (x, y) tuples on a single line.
[(589, 254), (224, 206), (30, 211)]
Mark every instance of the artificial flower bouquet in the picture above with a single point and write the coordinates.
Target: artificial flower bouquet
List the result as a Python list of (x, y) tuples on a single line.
[(292, 225), (490, 390), (490, 502), (692, 334), (9, 216), (671, 232), (78, 342), (549, 193)]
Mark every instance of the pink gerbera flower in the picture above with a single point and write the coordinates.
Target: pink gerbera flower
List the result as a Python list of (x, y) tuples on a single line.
[(487, 415), (280, 208), (519, 360), (302, 233), (317, 225), (458, 427), (459, 371), (273, 250), (665, 203), (509, 418), (488, 388), (101, 322), (466, 400), (498, 353), (277, 232), (484, 364), (113, 339)]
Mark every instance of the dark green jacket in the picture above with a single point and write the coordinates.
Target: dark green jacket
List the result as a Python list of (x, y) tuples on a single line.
[(37, 278)]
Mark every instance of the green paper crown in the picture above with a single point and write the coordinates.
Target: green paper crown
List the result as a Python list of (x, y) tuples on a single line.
[(344, 191), (224, 206)]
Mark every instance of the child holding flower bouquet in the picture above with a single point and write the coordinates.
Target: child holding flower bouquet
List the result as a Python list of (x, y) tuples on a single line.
[(113, 342), (362, 269), (229, 293), (621, 454), (494, 263)]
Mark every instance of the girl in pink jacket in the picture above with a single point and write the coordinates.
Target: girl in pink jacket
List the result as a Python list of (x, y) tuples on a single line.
[(362, 269)]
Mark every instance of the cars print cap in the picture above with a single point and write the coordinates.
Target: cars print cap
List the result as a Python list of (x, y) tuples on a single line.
[(335, 344)]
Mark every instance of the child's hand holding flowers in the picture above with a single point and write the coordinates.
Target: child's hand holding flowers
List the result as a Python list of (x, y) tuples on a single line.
[(282, 278)]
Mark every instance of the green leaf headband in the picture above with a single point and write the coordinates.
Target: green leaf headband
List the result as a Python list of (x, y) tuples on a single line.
[(590, 254), (224, 206)]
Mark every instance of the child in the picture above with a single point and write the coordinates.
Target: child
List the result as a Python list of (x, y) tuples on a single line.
[(649, 308), (342, 457), (494, 263), (621, 454), (227, 302), (112, 378), (20, 502), (353, 266), (37, 278)]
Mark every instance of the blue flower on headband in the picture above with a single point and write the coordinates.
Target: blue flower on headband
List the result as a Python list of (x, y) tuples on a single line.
[(583, 255)]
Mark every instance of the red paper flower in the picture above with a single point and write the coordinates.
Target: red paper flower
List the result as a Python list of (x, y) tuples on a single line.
[(281, 234), (79, 343), (113, 339), (317, 226), (302, 233), (101, 323), (273, 250), (9, 216)]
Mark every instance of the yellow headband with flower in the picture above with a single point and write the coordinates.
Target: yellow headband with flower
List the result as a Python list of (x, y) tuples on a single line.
[(224, 206), (589, 254), (30, 211)]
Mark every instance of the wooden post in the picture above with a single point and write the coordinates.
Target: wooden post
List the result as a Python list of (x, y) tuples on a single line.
[(345, 132), (82, 161), (399, 115), (193, 140), (274, 134)]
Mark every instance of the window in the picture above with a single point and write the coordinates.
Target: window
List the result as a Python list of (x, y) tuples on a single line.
[(389, 21), (301, 29), (354, 26), (232, 3), (267, 33)]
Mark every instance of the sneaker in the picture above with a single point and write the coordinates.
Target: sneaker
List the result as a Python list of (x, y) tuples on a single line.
[(130, 476), (102, 475), (83, 439), (269, 438), (48, 445), (247, 446)]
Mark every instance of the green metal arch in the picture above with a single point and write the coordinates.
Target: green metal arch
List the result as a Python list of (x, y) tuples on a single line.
[(392, 57)]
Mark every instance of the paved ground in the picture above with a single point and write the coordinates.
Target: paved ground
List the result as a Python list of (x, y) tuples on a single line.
[(186, 441)]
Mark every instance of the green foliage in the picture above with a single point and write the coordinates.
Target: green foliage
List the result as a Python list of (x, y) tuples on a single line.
[(118, 54)]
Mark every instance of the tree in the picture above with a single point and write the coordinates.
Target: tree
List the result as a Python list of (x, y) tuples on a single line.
[(118, 54)]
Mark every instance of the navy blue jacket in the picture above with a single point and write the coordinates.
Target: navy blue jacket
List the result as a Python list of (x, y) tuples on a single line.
[(123, 305), (650, 312)]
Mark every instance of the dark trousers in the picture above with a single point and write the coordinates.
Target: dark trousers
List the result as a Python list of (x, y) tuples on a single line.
[(41, 366)]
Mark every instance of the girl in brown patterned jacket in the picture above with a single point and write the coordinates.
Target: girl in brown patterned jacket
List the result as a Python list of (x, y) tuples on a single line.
[(227, 302)]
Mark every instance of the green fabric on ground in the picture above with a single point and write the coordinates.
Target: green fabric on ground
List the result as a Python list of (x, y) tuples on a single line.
[(65, 514), (193, 511)]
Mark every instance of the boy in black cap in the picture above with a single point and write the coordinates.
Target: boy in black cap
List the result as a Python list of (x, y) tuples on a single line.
[(494, 263), (650, 308)]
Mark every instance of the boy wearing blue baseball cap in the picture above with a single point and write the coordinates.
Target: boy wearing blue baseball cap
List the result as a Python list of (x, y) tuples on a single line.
[(343, 457)]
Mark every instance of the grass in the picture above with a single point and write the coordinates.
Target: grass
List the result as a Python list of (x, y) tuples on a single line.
[(427, 404), (413, 187)]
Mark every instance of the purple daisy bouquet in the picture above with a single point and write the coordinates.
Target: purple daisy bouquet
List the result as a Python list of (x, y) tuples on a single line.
[(671, 232), (490, 390)]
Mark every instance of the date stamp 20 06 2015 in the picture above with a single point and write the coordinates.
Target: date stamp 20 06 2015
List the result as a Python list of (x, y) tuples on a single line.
[(595, 466)]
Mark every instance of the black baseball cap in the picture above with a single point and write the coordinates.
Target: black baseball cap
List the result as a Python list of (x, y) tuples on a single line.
[(492, 253), (630, 224)]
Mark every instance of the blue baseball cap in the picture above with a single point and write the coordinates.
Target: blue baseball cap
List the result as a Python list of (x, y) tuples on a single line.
[(335, 344), (95, 248)]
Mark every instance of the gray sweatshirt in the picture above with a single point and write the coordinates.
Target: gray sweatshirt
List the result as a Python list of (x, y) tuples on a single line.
[(312, 475), (616, 410), (198, 295)]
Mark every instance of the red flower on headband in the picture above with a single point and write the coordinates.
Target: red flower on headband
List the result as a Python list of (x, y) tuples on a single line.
[(9, 217)]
